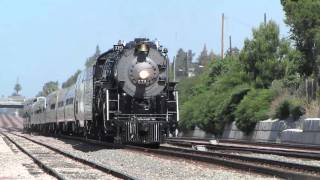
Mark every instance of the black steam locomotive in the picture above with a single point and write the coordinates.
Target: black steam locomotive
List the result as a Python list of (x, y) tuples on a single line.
[(133, 98), (126, 97)]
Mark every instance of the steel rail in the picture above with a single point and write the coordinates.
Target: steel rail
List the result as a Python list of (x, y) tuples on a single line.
[(270, 167), (95, 165), (36, 160), (258, 165), (256, 149), (244, 142)]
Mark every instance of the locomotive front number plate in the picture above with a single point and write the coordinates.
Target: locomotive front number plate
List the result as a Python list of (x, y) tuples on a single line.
[(117, 48)]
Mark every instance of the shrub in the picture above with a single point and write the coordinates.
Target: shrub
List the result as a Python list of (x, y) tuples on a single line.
[(208, 116), (217, 68), (253, 108), (188, 88), (288, 108), (296, 111), (210, 99), (186, 116), (226, 110), (218, 108), (312, 108), (211, 110), (292, 82), (283, 110)]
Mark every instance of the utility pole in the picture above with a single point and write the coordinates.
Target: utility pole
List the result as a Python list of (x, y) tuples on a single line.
[(222, 35), (174, 69), (265, 19), (230, 45)]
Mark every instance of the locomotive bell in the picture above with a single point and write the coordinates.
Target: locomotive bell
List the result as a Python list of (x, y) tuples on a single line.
[(142, 48), (142, 51)]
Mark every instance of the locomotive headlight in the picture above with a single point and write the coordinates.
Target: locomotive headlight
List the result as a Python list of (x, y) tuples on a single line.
[(143, 74)]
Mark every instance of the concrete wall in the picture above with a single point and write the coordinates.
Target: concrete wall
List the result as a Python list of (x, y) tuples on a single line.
[(196, 133), (265, 131), (308, 134), (304, 131)]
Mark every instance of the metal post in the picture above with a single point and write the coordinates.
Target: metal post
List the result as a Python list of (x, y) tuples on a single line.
[(118, 102), (306, 85), (174, 69), (167, 115), (108, 106), (177, 105), (230, 45), (222, 35), (178, 114)]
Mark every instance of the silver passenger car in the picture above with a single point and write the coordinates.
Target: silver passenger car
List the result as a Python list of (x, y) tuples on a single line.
[(38, 112), (51, 113), (60, 107), (65, 109), (69, 104), (83, 97), (27, 112)]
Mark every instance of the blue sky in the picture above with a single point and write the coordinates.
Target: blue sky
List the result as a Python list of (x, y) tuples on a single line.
[(43, 40)]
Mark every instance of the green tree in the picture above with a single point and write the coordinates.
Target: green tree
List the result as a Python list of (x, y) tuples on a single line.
[(17, 89), (265, 56), (253, 108), (181, 64), (72, 80), (213, 56), (204, 58), (208, 100), (190, 56), (233, 51), (92, 60), (188, 88), (304, 19), (48, 88)]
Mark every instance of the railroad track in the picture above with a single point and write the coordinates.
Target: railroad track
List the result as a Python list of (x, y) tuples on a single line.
[(61, 164), (258, 144), (270, 167), (254, 148), (259, 165), (275, 145)]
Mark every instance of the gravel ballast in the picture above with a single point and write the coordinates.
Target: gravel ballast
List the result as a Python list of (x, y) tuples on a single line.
[(62, 166), (303, 161), (14, 164), (281, 158), (145, 165)]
